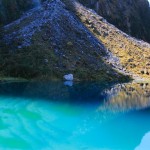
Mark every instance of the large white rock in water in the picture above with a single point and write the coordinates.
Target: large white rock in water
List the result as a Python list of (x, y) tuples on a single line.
[(68, 77)]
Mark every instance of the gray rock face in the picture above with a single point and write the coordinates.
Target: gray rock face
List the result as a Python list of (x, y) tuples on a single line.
[(57, 20), (51, 40)]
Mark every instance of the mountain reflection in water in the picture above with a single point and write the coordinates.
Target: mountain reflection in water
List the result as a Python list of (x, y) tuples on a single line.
[(74, 116), (126, 97)]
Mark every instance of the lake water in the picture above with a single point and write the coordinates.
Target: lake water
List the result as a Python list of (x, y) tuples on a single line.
[(74, 116)]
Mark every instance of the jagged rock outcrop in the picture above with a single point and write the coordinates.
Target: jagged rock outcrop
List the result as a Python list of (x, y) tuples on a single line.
[(51, 41), (131, 16)]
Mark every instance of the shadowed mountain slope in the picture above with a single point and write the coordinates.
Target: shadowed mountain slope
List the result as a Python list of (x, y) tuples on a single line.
[(13, 9), (50, 41), (62, 37), (130, 16)]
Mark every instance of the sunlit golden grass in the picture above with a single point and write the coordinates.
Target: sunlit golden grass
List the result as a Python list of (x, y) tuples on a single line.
[(134, 55)]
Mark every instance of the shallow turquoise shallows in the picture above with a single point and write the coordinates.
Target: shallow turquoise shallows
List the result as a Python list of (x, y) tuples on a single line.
[(74, 116)]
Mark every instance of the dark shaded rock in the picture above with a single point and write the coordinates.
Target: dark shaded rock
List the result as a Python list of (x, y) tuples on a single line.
[(131, 16)]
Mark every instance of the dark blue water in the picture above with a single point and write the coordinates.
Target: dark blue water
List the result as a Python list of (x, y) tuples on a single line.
[(79, 116)]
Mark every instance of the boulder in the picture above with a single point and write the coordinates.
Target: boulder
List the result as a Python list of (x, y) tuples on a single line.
[(68, 77)]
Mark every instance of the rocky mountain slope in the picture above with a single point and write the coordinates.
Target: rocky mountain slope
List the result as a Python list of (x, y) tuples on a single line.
[(63, 37), (50, 41), (134, 55), (131, 16)]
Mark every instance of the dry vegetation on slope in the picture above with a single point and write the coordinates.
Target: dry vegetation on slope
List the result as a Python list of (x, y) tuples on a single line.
[(134, 55), (55, 39)]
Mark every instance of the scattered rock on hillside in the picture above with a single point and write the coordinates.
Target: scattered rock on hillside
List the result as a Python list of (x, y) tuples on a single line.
[(54, 32)]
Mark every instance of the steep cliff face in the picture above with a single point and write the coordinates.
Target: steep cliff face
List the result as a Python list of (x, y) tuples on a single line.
[(131, 16)]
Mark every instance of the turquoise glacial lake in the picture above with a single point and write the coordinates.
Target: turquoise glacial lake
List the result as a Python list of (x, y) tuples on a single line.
[(74, 116)]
